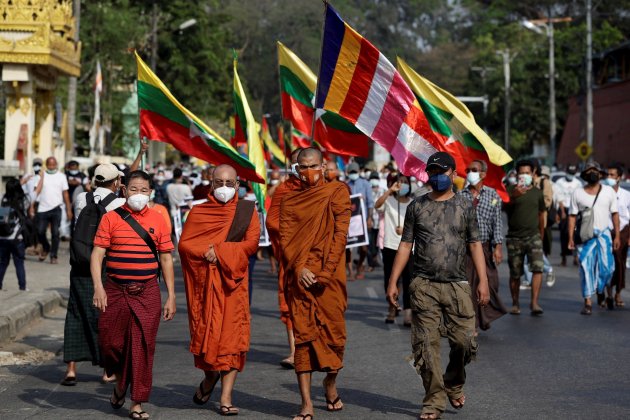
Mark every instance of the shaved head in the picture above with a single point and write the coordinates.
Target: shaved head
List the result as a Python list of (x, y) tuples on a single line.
[(224, 172), (311, 154), (294, 154), (331, 165)]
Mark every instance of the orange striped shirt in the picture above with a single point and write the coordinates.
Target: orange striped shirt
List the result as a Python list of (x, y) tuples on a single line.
[(128, 256)]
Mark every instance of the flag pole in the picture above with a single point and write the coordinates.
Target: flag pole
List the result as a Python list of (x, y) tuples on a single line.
[(286, 159), (321, 51)]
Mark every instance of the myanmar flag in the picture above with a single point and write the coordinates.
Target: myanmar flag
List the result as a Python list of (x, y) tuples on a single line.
[(276, 155), (297, 88), (456, 129), (255, 152), (163, 118)]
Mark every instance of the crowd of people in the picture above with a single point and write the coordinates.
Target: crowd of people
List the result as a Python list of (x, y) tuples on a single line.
[(439, 244)]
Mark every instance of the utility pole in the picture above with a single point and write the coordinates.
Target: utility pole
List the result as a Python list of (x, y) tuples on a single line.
[(589, 74), (72, 88), (505, 54), (552, 91)]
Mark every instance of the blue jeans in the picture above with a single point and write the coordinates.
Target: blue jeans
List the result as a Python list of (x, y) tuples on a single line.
[(52, 217), (10, 247)]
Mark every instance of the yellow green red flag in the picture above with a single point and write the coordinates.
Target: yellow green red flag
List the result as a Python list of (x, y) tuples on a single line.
[(255, 150)]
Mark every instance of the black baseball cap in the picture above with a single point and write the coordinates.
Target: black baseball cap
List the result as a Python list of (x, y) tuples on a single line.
[(442, 160)]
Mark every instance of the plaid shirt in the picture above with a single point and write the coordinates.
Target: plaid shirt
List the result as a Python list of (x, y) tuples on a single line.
[(488, 206)]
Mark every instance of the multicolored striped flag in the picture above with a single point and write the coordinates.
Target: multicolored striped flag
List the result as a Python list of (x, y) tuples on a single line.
[(255, 151), (359, 83), (457, 129), (277, 156), (297, 86), (163, 118), (299, 139)]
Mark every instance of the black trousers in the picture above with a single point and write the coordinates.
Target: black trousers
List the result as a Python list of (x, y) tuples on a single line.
[(388, 263)]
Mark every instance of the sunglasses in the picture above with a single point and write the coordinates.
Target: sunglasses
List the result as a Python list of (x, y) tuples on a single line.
[(218, 183), (472, 170)]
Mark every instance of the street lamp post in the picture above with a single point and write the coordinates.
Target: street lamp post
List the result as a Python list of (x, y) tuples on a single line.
[(589, 74), (505, 55), (533, 25)]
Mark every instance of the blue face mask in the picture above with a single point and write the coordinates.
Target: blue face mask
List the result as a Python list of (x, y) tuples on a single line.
[(440, 182), (242, 192), (404, 189)]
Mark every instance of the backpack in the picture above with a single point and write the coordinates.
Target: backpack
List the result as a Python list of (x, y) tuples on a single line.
[(84, 232), (8, 220)]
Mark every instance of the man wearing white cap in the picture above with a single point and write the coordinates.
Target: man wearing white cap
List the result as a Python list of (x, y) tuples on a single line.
[(107, 181), (81, 327)]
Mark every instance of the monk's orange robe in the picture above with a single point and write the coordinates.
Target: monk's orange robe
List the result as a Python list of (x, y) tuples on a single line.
[(217, 294), (273, 229), (313, 231)]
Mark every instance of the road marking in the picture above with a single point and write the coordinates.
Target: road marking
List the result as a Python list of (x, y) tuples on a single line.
[(371, 292)]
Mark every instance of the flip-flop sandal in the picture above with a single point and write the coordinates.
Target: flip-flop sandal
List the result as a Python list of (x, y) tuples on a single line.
[(515, 310), (69, 381), (304, 416), (205, 396), (434, 416), (116, 401), (228, 410), (328, 402), (287, 364), (460, 405), (138, 415), (587, 310)]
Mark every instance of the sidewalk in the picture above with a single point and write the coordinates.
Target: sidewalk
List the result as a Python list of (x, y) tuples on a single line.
[(48, 286)]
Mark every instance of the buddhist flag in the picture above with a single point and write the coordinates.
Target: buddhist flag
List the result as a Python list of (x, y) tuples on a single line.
[(359, 83), (455, 126), (255, 151), (297, 86), (277, 155), (163, 118)]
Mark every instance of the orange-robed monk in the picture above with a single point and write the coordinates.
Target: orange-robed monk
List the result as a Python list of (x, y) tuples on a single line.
[(218, 238), (313, 229), (292, 183)]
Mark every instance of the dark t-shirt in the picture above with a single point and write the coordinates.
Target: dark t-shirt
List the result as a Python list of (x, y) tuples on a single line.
[(523, 213), (440, 231)]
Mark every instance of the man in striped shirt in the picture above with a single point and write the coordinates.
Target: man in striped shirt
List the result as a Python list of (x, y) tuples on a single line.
[(130, 301)]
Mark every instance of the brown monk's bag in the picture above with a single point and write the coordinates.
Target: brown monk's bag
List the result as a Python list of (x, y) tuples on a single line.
[(241, 221)]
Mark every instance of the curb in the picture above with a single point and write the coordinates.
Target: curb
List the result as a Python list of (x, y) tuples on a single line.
[(18, 317)]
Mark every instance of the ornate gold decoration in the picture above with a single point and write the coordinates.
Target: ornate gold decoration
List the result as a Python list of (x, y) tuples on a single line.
[(39, 32)]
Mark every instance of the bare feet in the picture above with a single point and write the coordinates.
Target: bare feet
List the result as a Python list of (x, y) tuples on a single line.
[(429, 416)]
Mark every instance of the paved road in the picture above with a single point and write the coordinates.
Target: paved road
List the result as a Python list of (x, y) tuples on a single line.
[(559, 366)]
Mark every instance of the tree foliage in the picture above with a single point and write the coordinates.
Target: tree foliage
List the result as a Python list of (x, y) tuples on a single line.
[(442, 39)]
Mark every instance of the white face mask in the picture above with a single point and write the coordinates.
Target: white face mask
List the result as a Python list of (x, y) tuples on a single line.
[(224, 193), (294, 170), (473, 178), (137, 201), (353, 176), (205, 182)]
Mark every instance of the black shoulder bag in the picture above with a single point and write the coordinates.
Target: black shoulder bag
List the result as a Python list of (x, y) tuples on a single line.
[(126, 216)]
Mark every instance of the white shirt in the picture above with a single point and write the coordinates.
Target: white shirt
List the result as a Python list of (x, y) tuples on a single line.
[(29, 186), (51, 195), (99, 194), (623, 204), (605, 206), (393, 219), (563, 189), (177, 193)]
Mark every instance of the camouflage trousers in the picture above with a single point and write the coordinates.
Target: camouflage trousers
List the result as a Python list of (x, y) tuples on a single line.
[(436, 306), (518, 248)]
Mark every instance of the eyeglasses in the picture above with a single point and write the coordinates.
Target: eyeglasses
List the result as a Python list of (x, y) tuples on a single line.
[(472, 170), (218, 183)]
